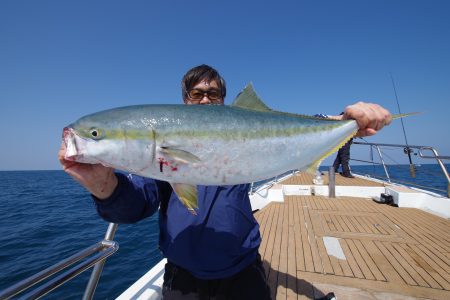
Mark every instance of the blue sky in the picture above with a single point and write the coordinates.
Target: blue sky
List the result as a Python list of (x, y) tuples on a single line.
[(60, 60)]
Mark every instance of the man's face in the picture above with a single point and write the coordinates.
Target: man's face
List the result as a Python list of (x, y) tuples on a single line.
[(204, 92)]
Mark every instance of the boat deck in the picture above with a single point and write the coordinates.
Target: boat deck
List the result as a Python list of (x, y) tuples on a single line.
[(354, 247), (307, 179)]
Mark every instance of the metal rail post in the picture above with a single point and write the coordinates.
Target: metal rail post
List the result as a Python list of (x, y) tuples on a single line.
[(331, 183), (439, 161), (102, 249), (98, 268), (384, 165)]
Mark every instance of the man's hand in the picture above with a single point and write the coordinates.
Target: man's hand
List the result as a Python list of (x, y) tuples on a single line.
[(97, 179), (370, 117)]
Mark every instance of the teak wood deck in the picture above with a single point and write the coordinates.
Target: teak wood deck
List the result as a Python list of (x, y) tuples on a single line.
[(388, 252)]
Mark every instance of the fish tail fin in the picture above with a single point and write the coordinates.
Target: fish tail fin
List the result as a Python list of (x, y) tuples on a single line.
[(398, 116)]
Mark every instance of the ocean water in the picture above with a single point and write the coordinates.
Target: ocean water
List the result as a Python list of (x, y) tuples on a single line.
[(46, 217), (428, 176)]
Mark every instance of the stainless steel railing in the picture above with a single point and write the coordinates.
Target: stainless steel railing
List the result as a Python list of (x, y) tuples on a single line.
[(269, 182), (86, 258), (377, 146), (98, 268), (406, 148)]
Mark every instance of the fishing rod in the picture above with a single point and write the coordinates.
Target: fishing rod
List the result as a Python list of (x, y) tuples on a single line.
[(407, 149)]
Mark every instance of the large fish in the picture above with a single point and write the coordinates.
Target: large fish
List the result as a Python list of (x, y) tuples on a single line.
[(189, 145)]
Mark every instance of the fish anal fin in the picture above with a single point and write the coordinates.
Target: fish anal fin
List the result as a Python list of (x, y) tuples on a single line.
[(187, 194), (314, 166)]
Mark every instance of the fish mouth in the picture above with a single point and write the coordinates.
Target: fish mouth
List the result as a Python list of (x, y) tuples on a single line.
[(69, 139)]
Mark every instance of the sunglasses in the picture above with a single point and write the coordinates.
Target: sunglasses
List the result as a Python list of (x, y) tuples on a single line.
[(198, 94)]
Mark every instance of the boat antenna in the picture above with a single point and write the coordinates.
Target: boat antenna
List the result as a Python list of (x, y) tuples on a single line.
[(407, 149)]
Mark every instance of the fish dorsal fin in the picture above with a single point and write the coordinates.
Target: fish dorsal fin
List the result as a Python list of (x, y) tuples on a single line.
[(249, 100)]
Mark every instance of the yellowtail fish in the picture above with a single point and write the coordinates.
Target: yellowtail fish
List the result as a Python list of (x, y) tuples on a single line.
[(190, 145)]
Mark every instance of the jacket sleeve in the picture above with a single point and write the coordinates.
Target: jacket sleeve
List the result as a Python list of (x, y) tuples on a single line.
[(134, 199)]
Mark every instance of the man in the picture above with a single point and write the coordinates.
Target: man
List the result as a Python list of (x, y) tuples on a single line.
[(343, 158), (213, 254)]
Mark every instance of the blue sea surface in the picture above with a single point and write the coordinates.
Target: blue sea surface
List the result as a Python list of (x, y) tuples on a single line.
[(427, 176), (46, 217)]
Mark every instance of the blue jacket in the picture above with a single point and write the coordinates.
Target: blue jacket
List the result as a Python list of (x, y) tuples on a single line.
[(221, 240)]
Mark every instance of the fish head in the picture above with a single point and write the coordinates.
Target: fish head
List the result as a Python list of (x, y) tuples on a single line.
[(102, 138), (84, 146)]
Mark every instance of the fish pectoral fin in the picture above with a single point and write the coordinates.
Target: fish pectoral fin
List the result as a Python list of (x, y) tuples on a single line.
[(249, 100), (179, 155), (187, 194)]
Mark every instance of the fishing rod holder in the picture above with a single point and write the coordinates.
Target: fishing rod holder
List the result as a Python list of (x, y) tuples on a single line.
[(76, 264), (408, 150)]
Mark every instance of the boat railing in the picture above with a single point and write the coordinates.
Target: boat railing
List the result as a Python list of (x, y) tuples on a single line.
[(408, 149), (67, 269), (421, 151), (254, 186)]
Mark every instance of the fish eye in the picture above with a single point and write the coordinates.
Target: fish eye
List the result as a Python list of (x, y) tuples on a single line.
[(95, 133)]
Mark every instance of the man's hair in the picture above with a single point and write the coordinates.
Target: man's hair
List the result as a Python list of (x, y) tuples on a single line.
[(199, 74)]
